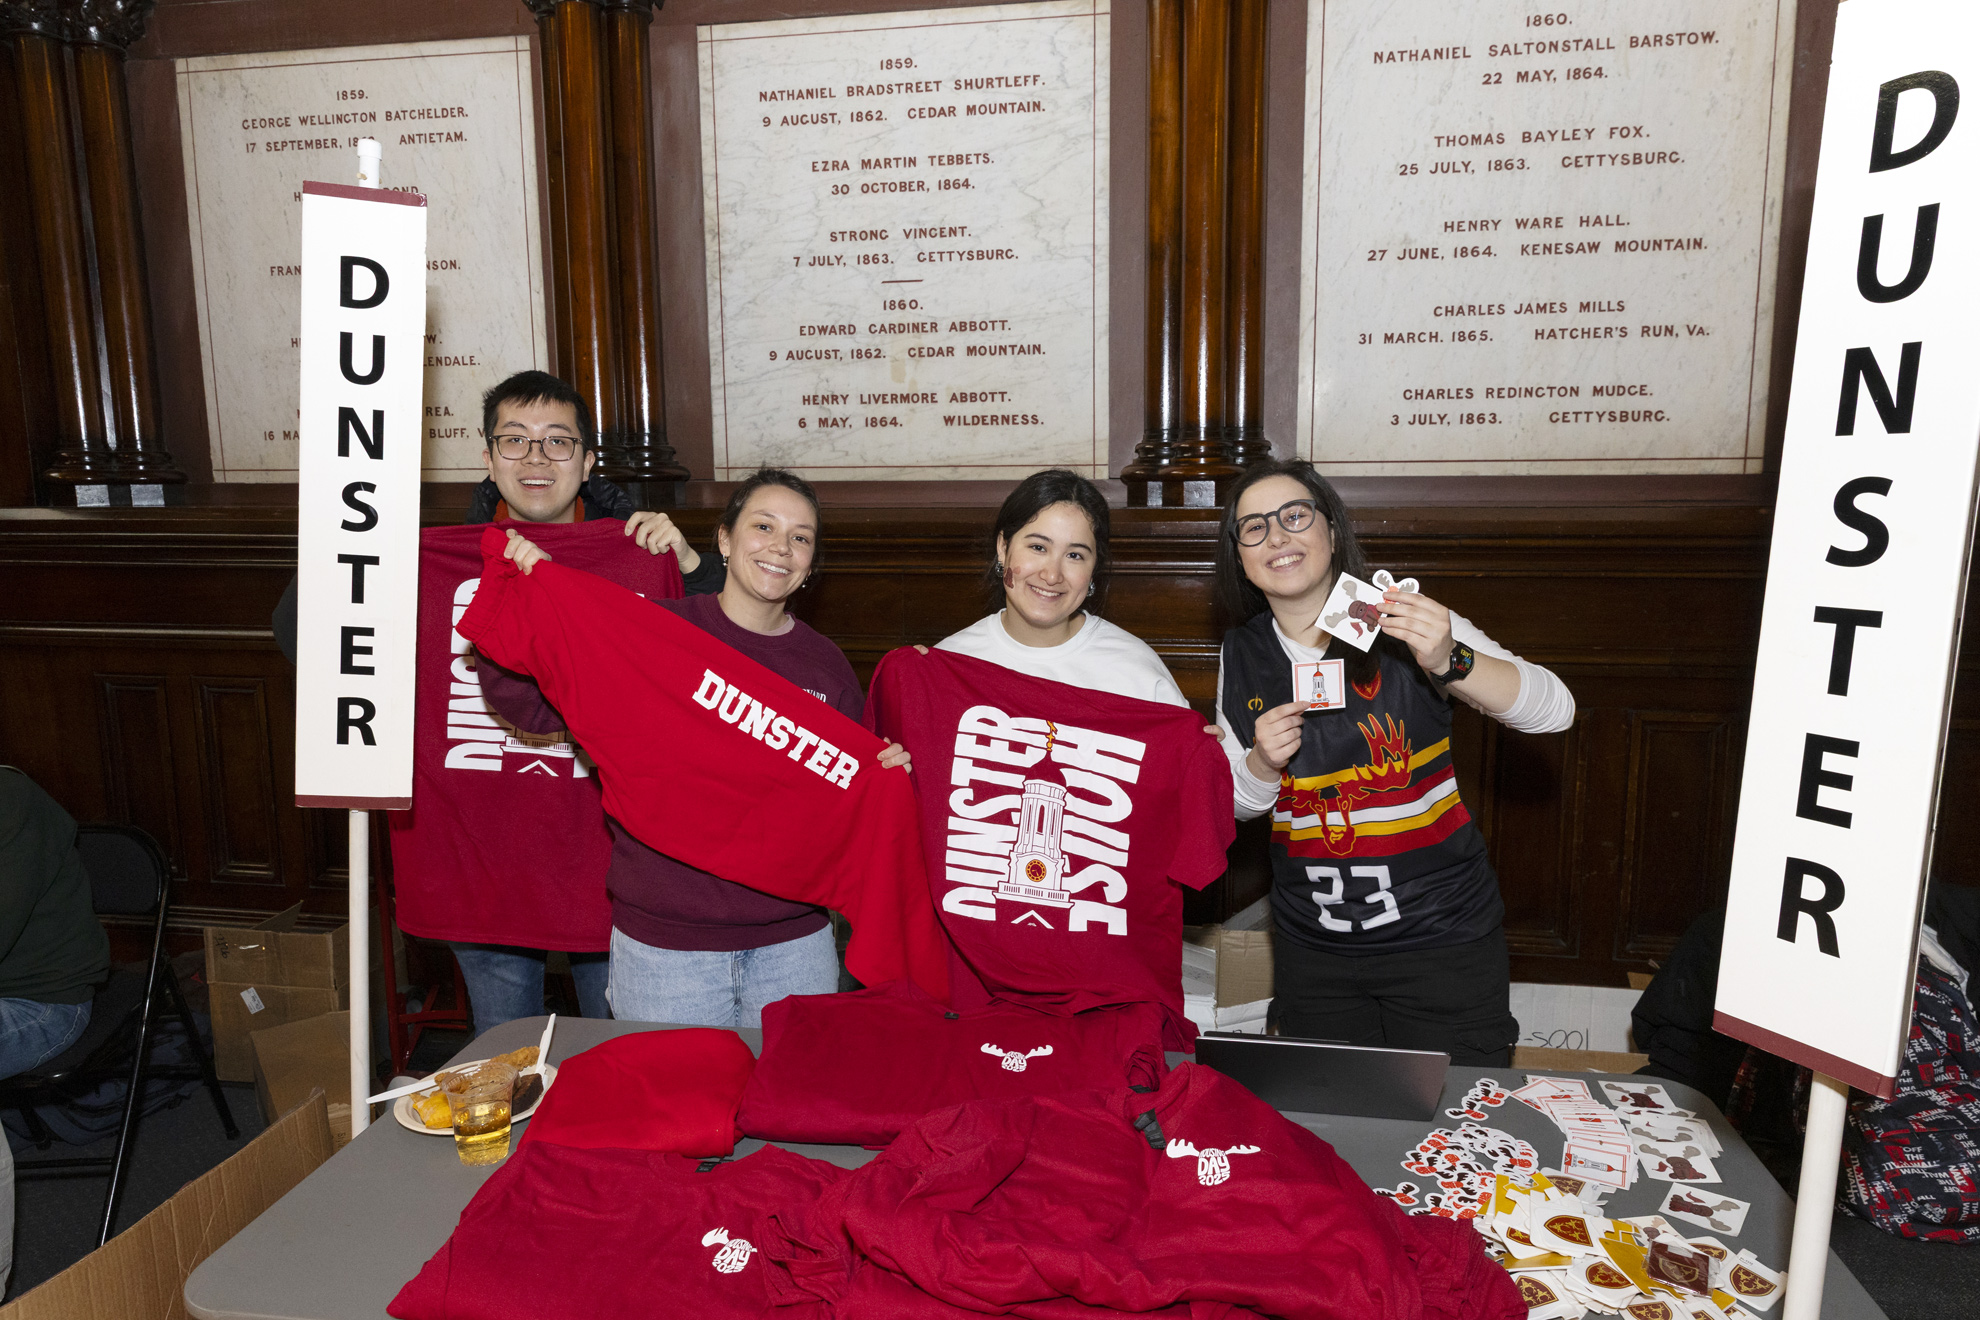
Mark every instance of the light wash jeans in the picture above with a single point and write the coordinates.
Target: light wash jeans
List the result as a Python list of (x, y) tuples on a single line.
[(711, 988), (31, 1033), (505, 982)]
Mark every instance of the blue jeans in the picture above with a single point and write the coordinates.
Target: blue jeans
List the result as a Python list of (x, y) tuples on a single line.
[(505, 982), (32, 1033), (704, 988)]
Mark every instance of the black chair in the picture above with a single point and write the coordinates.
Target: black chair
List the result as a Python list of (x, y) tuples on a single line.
[(127, 877)]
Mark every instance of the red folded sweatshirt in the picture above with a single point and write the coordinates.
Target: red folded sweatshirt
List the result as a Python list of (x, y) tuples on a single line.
[(712, 758), (859, 1067), (1199, 1192)]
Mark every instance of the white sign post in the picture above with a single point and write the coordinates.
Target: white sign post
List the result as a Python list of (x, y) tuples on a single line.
[(357, 530), (1865, 583)]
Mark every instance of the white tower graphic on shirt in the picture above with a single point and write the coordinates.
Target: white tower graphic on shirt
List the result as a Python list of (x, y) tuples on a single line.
[(1038, 861)]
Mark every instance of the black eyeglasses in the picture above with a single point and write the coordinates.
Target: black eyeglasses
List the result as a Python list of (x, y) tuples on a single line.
[(1293, 515), (556, 448)]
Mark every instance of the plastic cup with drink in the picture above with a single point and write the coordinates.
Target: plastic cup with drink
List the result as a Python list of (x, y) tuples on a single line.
[(481, 1113)]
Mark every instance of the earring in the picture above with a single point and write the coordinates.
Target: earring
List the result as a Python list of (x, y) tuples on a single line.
[(1089, 590), (1000, 568)]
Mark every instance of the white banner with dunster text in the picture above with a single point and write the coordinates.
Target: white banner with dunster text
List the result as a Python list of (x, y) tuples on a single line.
[(357, 504), (1868, 567)]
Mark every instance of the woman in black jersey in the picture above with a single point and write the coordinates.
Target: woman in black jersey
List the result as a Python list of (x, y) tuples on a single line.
[(1385, 901)]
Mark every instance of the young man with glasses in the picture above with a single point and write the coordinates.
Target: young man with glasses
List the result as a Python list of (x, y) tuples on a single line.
[(540, 454)]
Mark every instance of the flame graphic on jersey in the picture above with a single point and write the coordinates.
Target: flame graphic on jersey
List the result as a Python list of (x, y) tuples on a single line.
[(1387, 768)]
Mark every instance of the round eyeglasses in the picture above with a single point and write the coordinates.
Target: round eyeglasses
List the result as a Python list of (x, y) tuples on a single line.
[(556, 448), (1293, 515)]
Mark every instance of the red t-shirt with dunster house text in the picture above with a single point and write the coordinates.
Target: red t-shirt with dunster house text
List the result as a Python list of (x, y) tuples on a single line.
[(1057, 823)]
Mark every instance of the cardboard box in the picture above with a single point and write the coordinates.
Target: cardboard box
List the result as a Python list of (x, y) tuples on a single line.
[(276, 953), (267, 975), (142, 1271), (1552, 1061), (1244, 962), (240, 1010), (296, 1058)]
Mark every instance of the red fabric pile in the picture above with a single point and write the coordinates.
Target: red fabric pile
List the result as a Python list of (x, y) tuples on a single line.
[(1196, 1198), (858, 1068), (653, 1090)]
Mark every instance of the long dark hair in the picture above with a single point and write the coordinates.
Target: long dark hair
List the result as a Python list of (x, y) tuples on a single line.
[(1238, 601), (1035, 494), (739, 499)]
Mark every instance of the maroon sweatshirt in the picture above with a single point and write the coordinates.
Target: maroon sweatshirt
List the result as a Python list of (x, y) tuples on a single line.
[(655, 899)]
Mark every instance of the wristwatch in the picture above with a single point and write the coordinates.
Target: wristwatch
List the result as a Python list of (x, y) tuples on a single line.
[(1462, 659)]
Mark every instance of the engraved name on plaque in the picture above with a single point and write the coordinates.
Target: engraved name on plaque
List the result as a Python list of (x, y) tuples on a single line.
[(1541, 238), (456, 120), (906, 236)]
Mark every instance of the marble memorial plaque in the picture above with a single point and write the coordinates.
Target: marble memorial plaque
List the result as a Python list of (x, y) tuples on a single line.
[(456, 120), (907, 241), (1541, 242)]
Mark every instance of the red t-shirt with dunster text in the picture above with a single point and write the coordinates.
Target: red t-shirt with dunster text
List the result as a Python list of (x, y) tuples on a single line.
[(728, 766), (1057, 823)]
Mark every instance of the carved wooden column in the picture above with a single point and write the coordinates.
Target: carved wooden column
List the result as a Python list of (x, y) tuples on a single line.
[(33, 31), (103, 30), (580, 190), (1244, 320), (1206, 208), (640, 456), (1162, 385), (553, 187), (1184, 457)]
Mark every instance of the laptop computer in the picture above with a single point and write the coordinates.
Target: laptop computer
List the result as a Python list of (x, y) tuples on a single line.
[(1327, 1077)]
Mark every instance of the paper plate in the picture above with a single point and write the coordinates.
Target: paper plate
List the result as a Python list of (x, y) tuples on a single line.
[(403, 1111)]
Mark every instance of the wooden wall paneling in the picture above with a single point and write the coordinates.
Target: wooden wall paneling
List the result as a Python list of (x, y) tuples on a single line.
[(1206, 202), (1682, 796), (549, 64), (1162, 310), (326, 840), (1129, 163), (158, 149), (1244, 328), (1531, 791), (238, 770), (1814, 39), (140, 783), (588, 325), (180, 28), (1285, 136), (643, 460), (683, 269), (27, 389), (1956, 845), (124, 294), (82, 453)]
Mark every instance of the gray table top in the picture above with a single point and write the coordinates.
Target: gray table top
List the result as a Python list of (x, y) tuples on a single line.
[(342, 1244)]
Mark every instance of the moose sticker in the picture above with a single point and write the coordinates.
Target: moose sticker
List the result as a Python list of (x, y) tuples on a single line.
[(1213, 1166), (734, 1254), (1015, 1062)]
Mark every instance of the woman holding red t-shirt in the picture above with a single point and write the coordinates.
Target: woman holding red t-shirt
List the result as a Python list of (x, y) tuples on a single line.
[(694, 948)]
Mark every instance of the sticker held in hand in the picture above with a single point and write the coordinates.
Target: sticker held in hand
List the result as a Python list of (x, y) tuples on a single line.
[(1320, 684), (1353, 612)]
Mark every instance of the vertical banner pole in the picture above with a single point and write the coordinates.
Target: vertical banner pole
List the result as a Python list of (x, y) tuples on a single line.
[(357, 529), (1814, 1203), (360, 953)]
